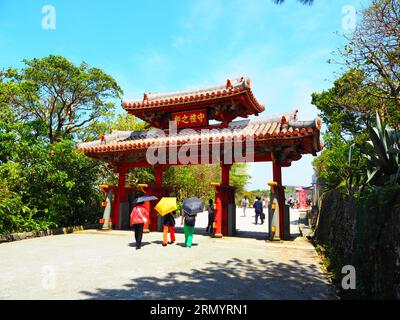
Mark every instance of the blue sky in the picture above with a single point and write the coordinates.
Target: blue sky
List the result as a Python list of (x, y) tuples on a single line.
[(176, 44)]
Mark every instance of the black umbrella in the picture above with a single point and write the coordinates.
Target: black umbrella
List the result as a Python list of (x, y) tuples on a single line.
[(145, 198), (193, 205)]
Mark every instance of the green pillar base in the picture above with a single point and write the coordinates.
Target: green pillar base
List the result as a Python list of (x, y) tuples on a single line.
[(218, 235)]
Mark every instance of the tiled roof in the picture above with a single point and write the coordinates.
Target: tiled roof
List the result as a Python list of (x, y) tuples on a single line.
[(196, 96), (271, 129)]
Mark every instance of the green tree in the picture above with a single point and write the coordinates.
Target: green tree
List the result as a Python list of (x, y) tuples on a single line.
[(371, 83), (107, 124), (66, 98), (374, 50), (334, 167), (346, 110), (195, 181), (43, 183), (192, 181), (347, 103), (239, 177), (60, 188)]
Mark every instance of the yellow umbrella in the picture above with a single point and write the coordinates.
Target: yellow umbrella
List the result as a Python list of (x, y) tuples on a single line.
[(166, 205)]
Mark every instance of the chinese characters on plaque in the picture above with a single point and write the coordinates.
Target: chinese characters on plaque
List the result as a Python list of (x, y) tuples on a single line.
[(193, 118)]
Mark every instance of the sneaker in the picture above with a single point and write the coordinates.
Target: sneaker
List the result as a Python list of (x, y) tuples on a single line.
[(164, 244)]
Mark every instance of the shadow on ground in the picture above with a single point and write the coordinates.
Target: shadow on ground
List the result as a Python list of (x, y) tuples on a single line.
[(255, 279), (133, 244), (257, 235)]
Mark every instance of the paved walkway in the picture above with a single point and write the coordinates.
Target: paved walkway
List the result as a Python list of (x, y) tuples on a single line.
[(245, 225), (105, 265)]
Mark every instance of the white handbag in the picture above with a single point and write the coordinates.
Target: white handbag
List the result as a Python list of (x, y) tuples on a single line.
[(143, 217)]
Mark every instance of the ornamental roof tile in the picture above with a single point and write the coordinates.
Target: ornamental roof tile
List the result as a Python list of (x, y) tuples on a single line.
[(270, 129), (206, 95)]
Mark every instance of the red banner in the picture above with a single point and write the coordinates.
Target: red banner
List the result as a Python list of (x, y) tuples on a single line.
[(193, 118)]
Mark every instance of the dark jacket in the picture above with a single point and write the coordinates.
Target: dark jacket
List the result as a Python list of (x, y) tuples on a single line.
[(169, 220), (190, 219), (211, 212), (258, 206)]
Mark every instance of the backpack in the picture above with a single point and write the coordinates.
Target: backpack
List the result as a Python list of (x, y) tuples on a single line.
[(190, 220), (258, 206)]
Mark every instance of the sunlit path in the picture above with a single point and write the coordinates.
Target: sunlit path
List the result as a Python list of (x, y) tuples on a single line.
[(105, 265), (245, 225)]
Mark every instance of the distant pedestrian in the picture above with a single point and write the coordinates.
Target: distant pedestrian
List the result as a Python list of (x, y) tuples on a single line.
[(290, 201), (258, 206), (168, 225), (245, 204), (211, 214), (265, 202), (188, 227), (138, 218)]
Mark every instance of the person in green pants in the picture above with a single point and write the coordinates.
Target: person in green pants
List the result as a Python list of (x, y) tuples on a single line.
[(188, 227)]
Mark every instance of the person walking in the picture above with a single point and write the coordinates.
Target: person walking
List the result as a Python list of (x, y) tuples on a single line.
[(265, 202), (258, 206), (188, 227), (211, 213), (290, 201), (168, 225), (245, 204), (139, 217)]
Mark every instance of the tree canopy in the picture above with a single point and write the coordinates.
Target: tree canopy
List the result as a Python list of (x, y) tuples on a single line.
[(374, 50), (64, 97), (369, 84)]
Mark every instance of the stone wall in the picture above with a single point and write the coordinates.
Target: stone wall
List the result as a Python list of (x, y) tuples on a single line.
[(336, 224), (44, 233), (365, 234), (390, 251)]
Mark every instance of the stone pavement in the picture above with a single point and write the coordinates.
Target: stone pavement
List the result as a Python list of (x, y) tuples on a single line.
[(105, 265), (245, 225)]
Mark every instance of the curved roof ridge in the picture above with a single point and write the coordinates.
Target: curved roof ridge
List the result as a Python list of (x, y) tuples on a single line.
[(110, 137), (290, 116), (238, 82)]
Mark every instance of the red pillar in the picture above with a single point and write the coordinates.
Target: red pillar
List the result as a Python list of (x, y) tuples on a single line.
[(155, 190), (146, 227), (223, 200), (158, 175), (225, 174), (218, 213), (277, 176), (119, 196)]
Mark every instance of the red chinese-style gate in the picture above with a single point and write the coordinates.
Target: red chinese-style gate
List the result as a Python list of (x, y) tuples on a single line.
[(204, 123)]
